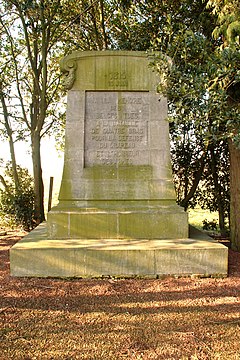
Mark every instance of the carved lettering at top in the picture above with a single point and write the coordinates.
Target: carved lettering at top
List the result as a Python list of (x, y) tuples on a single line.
[(117, 79), (116, 127)]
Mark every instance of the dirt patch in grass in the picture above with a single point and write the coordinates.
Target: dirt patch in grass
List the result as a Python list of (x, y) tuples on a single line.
[(118, 319)]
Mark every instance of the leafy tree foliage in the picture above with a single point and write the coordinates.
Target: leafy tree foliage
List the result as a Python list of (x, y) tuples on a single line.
[(195, 76), (214, 192), (33, 33), (188, 161), (17, 204), (227, 80)]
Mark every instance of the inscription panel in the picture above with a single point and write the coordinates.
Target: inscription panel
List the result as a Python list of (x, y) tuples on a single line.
[(116, 128)]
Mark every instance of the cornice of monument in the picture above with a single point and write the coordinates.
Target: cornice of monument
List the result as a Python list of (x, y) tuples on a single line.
[(69, 63)]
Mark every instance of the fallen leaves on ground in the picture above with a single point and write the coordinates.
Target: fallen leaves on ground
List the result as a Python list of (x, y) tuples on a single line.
[(118, 319)]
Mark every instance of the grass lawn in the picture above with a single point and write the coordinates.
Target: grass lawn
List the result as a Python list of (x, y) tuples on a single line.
[(197, 216)]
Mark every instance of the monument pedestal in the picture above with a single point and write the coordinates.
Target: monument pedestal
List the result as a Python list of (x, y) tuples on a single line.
[(118, 221), (37, 256), (117, 214)]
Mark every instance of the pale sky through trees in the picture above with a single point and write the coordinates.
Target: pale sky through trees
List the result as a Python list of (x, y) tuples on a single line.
[(52, 161)]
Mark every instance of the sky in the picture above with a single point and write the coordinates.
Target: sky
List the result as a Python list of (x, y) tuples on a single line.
[(52, 161)]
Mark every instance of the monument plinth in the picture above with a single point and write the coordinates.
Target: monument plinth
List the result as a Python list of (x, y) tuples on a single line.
[(117, 213)]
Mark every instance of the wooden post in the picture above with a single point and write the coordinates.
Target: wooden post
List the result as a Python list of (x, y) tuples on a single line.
[(50, 193)]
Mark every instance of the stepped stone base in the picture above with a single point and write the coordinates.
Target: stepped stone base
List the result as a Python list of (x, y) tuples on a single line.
[(37, 256), (170, 221)]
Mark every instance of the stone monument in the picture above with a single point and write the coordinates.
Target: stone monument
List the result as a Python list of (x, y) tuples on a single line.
[(117, 212), (117, 180)]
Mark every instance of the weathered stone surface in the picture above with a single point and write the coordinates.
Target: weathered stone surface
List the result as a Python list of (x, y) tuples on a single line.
[(36, 255), (117, 150), (160, 222)]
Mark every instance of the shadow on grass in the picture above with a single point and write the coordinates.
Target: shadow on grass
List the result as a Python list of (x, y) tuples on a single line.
[(120, 296)]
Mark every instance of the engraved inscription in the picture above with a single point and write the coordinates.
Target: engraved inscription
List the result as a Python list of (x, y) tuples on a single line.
[(116, 128), (117, 79)]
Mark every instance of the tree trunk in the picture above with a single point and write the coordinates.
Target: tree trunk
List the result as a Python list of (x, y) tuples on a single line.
[(38, 181), (105, 40), (217, 191), (10, 138), (197, 177), (234, 196), (2, 180)]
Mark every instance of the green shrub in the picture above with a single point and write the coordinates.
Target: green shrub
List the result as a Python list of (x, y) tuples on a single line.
[(210, 225), (17, 204)]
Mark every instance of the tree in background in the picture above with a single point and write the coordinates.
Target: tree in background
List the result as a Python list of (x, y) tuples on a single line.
[(227, 80), (27, 29), (8, 113), (35, 34), (7, 131), (189, 158), (198, 109), (214, 192), (198, 86), (17, 204)]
